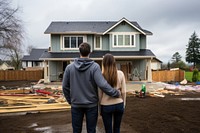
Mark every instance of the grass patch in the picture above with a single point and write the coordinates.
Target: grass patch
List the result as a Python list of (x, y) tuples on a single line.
[(188, 76)]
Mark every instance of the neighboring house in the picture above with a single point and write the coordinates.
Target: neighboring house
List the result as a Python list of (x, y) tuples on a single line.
[(5, 66), (156, 64), (125, 39), (33, 60)]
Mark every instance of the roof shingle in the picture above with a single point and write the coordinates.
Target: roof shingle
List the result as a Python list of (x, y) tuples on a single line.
[(34, 55), (92, 27), (98, 54)]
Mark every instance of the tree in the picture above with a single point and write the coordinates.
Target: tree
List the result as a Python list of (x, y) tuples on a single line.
[(192, 50), (14, 53), (11, 33), (29, 48), (177, 62), (195, 75), (176, 57), (168, 65)]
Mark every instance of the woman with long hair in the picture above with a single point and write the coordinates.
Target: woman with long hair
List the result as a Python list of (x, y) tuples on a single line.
[(112, 109)]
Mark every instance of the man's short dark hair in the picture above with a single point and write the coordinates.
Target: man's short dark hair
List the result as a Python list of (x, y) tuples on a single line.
[(84, 49)]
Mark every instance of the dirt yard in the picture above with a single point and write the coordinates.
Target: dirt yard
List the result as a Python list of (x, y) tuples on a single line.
[(171, 114)]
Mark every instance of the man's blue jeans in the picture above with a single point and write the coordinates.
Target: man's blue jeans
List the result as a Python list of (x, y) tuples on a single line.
[(91, 115), (112, 113)]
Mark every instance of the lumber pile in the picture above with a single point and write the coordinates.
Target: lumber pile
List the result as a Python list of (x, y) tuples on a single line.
[(31, 100)]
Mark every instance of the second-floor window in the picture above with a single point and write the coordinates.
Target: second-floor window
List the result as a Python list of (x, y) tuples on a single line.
[(72, 41), (98, 42), (123, 40)]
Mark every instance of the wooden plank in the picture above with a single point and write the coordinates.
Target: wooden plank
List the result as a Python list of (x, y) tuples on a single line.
[(16, 75), (167, 75)]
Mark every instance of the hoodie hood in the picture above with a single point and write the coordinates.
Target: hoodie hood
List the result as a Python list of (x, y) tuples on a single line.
[(82, 64)]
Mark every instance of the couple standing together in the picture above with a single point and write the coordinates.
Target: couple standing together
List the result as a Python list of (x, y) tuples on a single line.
[(85, 86)]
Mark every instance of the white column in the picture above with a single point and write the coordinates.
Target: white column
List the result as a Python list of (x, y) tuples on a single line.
[(46, 77), (149, 78)]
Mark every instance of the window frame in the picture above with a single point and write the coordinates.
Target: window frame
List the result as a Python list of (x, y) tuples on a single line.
[(95, 45), (115, 39), (71, 36)]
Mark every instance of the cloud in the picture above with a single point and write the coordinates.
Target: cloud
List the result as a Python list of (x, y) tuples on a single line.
[(172, 22)]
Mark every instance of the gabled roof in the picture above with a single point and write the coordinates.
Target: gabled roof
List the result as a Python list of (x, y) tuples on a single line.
[(5, 66), (96, 55), (156, 60), (89, 27), (34, 55), (133, 24)]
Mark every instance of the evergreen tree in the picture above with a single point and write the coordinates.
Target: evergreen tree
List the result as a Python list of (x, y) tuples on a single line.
[(168, 65), (176, 57), (193, 50)]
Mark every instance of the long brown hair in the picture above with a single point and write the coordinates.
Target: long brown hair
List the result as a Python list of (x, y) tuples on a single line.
[(109, 69)]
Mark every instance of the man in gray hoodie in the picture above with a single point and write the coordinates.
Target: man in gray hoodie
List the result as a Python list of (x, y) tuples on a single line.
[(80, 87)]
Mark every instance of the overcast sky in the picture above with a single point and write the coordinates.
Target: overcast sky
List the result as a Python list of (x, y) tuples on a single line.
[(172, 22)]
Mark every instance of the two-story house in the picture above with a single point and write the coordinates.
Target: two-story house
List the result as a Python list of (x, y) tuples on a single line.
[(125, 39)]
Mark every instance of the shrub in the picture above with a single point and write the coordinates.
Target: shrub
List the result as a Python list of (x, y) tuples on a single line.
[(195, 76)]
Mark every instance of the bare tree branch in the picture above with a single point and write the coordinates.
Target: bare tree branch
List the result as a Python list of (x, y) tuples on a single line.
[(11, 31)]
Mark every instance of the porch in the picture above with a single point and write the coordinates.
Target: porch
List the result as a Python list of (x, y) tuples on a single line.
[(133, 69)]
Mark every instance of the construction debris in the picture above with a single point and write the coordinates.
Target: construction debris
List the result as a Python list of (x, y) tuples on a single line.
[(28, 99), (184, 82), (42, 97), (3, 87), (160, 89)]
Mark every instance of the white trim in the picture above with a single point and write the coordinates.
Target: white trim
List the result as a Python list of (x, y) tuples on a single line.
[(50, 42), (124, 33), (84, 38), (62, 41), (123, 19), (95, 48), (133, 57), (72, 32), (99, 58)]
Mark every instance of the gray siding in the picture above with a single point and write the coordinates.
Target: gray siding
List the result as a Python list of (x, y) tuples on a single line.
[(136, 48), (55, 68), (55, 43), (140, 40), (143, 44), (105, 42), (90, 40), (124, 28)]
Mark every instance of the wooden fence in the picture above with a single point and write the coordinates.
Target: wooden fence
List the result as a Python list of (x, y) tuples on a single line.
[(167, 75), (35, 75), (16, 75)]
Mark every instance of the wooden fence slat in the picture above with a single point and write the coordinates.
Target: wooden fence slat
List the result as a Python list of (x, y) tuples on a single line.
[(167, 75), (35, 75), (16, 75)]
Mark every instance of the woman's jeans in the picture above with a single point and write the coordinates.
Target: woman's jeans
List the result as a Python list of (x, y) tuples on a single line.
[(91, 115), (112, 113)]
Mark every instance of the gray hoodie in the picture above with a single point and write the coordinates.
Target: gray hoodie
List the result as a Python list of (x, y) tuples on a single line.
[(81, 81)]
